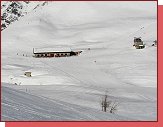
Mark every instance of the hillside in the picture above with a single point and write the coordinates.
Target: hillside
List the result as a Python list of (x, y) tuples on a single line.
[(112, 65)]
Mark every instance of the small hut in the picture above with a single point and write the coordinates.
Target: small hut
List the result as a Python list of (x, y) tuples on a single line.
[(28, 74), (138, 43)]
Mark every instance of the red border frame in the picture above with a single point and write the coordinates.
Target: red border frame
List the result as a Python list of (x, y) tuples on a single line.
[(111, 123)]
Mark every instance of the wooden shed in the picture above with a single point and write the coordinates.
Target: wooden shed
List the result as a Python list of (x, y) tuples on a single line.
[(28, 74)]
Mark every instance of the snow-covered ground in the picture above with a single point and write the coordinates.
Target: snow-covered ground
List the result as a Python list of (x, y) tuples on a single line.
[(71, 88)]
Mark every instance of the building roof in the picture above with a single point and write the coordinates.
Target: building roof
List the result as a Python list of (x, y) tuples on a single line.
[(51, 50)]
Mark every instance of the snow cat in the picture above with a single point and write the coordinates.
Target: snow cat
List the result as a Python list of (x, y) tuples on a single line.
[(138, 43)]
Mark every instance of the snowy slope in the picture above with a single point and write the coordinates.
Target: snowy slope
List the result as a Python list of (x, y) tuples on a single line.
[(112, 64), (46, 109)]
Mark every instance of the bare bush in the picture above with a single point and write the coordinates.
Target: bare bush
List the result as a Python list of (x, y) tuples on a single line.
[(108, 104)]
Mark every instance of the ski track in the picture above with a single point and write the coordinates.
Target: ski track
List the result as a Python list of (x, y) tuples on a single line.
[(35, 110)]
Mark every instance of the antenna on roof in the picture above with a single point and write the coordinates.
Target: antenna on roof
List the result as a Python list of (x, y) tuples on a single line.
[(33, 50), (70, 49)]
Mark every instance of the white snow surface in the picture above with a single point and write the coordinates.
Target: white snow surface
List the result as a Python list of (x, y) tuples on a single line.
[(71, 88)]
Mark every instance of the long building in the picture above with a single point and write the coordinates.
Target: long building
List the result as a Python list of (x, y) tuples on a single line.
[(56, 53)]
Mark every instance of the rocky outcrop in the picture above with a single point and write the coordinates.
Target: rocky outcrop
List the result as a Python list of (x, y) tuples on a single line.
[(11, 11)]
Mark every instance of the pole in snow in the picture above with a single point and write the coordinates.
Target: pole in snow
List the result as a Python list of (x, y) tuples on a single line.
[(33, 51)]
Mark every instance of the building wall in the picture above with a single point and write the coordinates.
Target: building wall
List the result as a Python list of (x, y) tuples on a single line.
[(138, 43), (53, 55)]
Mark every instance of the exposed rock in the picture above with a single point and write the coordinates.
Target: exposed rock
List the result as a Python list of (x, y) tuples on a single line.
[(11, 11)]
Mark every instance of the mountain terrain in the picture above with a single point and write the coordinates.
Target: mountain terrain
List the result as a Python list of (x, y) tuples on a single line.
[(72, 88)]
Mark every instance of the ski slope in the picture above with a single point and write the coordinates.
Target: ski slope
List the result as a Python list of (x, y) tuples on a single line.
[(71, 88), (47, 109)]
